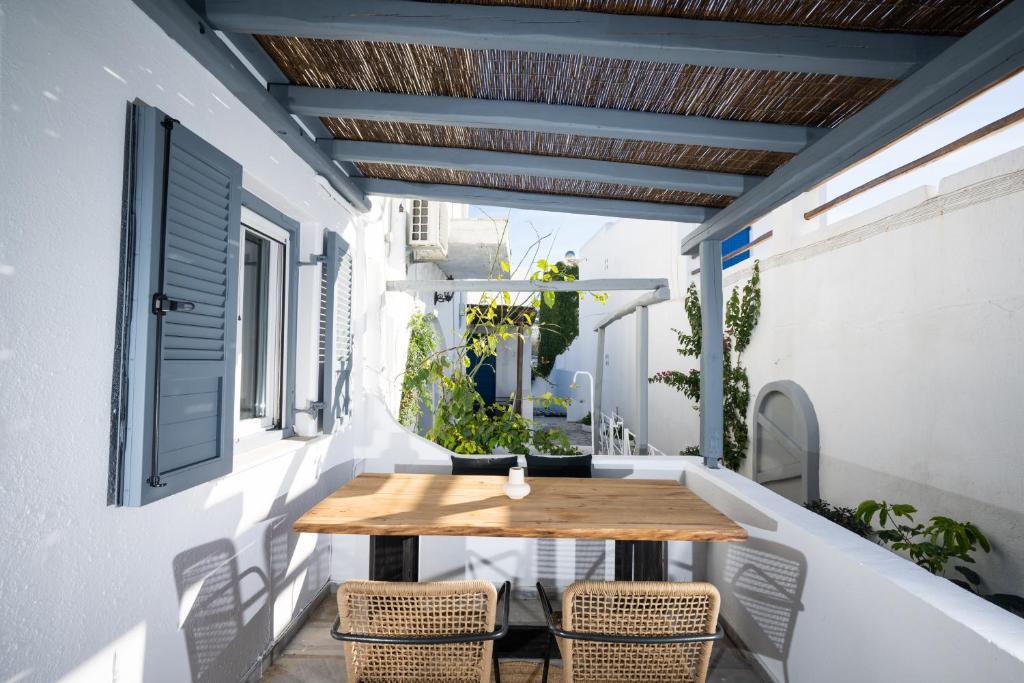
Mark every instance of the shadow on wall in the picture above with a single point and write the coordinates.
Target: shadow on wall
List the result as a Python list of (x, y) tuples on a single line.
[(762, 584), (228, 589)]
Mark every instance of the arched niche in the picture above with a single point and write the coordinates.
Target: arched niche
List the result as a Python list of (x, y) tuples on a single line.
[(785, 453)]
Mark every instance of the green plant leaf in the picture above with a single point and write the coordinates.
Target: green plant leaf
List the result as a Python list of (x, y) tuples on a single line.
[(969, 574)]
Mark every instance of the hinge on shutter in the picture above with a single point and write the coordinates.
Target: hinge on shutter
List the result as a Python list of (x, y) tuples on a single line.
[(169, 122), (314, 408), (155, 482), (316, 260), (163, 304)]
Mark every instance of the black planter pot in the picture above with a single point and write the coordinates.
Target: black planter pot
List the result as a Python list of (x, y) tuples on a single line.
[(497, 465), (578, 466)]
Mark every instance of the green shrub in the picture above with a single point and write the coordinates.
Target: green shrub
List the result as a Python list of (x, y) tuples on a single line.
[(844, 517)]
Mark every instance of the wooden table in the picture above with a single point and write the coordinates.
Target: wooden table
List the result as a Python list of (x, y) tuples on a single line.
[(640, 514)]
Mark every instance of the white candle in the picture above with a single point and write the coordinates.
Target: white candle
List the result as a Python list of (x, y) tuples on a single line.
[(516, 476)]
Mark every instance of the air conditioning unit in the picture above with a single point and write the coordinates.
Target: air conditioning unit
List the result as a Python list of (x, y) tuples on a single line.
[(427, 232)]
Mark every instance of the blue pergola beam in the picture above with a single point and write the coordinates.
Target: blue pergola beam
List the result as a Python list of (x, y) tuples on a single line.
[(544, 118), (180, 22), (535, 201), (987, 55), (638, 175), (657, 39)]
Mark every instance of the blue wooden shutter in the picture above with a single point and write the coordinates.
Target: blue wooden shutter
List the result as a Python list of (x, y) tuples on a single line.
[(186, 300), (731, 244), (336, 329)]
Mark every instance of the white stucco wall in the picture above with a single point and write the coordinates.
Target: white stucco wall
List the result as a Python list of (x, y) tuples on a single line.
[(197, 585), (904, 325)]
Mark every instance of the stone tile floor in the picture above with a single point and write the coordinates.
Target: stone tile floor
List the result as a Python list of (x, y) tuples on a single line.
[(314, 657)]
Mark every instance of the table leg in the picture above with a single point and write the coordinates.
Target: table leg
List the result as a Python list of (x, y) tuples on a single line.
[(641, 561), (394, 558)]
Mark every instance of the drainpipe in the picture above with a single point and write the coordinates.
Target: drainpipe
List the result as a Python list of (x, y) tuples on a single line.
[(711, 354), (595, 405)]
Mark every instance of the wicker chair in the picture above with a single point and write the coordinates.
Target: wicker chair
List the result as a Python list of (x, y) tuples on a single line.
[(634, 630), (434, 631)]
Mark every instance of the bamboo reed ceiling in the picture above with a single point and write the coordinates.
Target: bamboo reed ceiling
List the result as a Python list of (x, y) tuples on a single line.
[(738, 94), (939, 17), (695, 157), (803, 99)]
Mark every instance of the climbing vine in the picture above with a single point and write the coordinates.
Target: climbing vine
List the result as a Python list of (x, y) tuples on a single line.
[(416, 380), (559, 323), (741, 315)]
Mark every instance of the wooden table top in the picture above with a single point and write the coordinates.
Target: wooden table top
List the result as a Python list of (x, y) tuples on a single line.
[(446, 505)]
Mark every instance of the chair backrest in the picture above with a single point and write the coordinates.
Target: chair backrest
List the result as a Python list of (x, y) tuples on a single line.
[(637, 608), (418, 609)]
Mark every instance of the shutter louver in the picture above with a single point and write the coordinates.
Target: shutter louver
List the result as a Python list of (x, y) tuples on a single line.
[(185, 311), (336, 330)]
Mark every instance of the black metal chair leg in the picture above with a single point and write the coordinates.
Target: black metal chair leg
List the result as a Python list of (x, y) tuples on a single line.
[(497, 666), (547, 658)]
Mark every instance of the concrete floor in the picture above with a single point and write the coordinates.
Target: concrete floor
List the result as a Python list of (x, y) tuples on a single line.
[(314, 657)]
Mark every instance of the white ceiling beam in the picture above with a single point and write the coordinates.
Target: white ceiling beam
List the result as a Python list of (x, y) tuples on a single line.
[(596, 285)]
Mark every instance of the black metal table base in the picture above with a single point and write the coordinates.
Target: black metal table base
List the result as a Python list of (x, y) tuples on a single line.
[(394, 558), (641, 561)]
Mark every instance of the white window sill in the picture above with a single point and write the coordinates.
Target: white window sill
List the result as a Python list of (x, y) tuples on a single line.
[(254, 457)]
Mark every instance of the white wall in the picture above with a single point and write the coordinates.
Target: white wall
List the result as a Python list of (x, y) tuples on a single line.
[(624, 249), (197, 585), (813, 601), (904, 324)]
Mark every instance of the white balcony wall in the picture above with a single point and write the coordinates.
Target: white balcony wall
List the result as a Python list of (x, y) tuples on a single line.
[(904, 325), (811, 600)]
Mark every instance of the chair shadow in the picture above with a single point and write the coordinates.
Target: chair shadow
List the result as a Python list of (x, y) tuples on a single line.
[(228, 589), (217, 618), (761, 594)]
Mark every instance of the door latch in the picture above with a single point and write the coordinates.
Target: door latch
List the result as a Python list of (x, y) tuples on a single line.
[(163, 304)]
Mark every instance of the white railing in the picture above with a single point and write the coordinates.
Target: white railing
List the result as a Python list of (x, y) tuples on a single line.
[(615, 438)]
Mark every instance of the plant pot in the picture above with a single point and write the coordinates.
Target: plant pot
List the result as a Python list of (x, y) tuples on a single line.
[(578, 466), (484, 464)]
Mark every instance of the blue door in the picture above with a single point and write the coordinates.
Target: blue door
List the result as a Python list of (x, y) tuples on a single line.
[(486, 377)]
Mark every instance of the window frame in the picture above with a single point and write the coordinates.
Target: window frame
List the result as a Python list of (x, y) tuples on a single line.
[(262, 218), (257, 429)]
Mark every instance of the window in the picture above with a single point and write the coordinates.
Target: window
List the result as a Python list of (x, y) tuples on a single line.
[(262, 340), (206, 315), (420, 221)]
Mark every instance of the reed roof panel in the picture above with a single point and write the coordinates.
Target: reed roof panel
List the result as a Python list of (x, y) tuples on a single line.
[(519, 183), (939, 17), (805, 99), (696, 157), (740, 94)]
